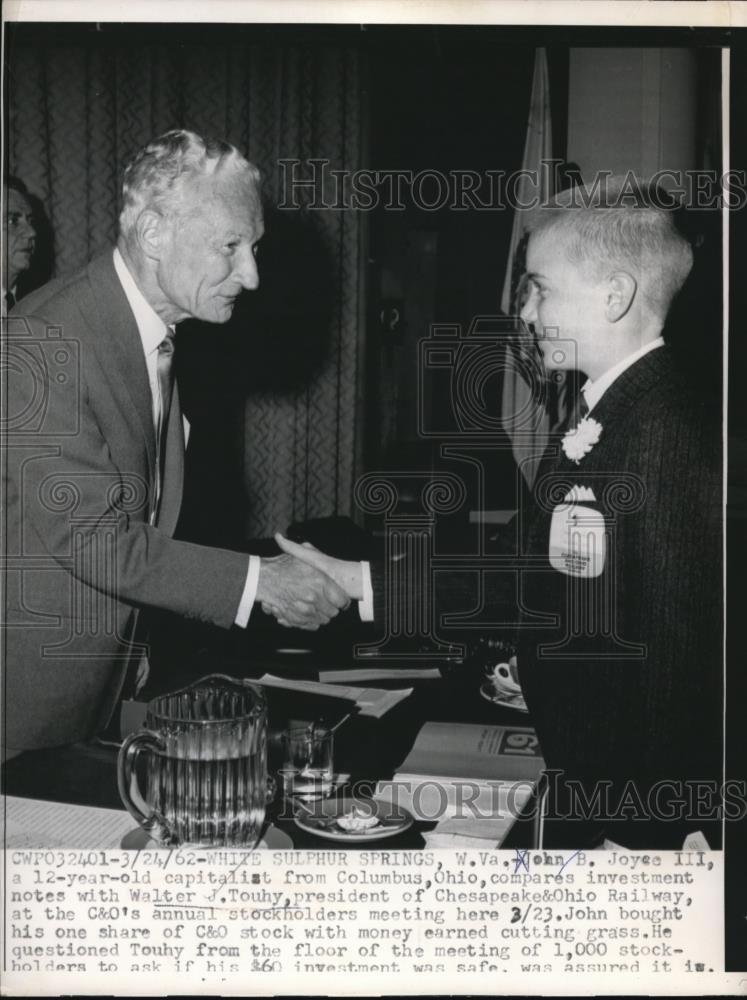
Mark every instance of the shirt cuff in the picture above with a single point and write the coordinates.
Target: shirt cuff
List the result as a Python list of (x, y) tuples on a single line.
[(250, 593), (366, 605)]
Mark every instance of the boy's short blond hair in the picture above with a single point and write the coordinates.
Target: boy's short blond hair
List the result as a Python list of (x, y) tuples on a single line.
[(621, 223)]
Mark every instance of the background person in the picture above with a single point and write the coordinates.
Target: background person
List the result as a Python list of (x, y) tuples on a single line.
[(19, 239)]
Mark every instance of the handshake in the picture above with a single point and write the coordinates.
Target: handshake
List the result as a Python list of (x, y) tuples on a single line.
[(304, 588)]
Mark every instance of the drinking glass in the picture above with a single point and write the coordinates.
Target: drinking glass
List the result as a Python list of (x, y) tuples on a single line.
[(206, 775), (307, 769)]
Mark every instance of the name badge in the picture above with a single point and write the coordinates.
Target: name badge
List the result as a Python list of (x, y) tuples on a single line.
[(578, 542)]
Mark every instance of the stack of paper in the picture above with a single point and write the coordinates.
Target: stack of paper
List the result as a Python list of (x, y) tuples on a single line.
[(372, 702), (471, 833), (381, 674), (472, 779), (467, 801), (37, 823)]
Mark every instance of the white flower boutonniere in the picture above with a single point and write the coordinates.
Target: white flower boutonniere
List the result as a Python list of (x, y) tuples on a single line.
[(581, 439)]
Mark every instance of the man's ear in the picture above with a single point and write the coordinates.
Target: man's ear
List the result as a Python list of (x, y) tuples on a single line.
[(149, 233), (621, 292)]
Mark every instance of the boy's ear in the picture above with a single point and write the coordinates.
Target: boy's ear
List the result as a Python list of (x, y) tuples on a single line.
[(621, 292)]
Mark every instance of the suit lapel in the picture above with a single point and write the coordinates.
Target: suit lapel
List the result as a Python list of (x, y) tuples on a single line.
[(617, 404), (121, 347), (627, 390), (612, 411)]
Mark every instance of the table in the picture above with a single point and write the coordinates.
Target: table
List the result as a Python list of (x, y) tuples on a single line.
[(368, 749)]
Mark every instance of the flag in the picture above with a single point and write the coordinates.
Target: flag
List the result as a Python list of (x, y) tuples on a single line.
[(524, 414)]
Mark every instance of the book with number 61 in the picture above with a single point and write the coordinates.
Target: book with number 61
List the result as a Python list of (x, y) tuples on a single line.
[(466, 769), (474, 752)]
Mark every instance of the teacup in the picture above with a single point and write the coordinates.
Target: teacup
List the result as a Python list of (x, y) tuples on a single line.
[(504, 676)]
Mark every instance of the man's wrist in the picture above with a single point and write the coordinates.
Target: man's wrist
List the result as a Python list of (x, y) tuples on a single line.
[(351, 579), (249, 593), (366, 601)]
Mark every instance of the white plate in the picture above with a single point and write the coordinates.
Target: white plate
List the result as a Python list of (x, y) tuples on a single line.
[(506, 699), (272, 839), (319, 818)]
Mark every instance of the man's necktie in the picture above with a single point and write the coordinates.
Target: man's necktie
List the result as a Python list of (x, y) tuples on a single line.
[(579, 411), (10, 301), (576, 413), (553, 455), (165, 372), (138, 667)]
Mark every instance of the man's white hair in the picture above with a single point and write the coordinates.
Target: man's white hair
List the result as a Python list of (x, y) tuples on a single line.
[(159, 174), (621, 222)]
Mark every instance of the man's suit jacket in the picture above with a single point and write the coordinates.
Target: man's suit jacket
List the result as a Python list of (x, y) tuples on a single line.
[(80, 490), (622, 671)]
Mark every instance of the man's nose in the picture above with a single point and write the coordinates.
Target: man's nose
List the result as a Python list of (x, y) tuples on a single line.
[(247, 271), (28, 229)]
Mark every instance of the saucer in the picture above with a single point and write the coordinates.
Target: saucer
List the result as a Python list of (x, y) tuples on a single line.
[(323, 818)]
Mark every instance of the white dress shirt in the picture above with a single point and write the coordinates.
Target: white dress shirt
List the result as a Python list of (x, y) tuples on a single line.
[(593, 391), (153, 330)]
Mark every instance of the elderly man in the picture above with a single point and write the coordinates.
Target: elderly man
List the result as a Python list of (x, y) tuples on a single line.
[(620, 649), (19, 239), (96, 448)]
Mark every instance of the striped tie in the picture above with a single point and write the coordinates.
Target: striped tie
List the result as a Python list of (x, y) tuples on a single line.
[(569, 411), (579, 411), (165, 372)]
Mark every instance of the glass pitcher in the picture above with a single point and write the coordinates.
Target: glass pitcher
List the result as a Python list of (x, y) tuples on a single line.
[(206, 776)]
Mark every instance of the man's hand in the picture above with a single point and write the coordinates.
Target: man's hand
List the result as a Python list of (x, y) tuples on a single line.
[(298, 594), (346, 574)]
